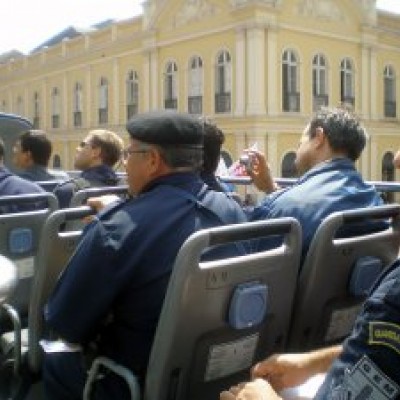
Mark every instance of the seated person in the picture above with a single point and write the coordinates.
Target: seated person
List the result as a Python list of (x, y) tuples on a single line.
[(213, 141), (364, 367), (329, 181), (32, 153), (95, 156), (12, 185), (112, 289)]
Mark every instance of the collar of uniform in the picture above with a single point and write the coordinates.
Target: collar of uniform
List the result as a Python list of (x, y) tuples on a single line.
[(175, 179)]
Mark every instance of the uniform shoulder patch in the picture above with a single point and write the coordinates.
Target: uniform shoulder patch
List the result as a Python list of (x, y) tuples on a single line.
[(385, 334)]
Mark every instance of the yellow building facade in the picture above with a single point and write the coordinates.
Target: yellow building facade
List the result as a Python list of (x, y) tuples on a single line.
[(258, 68)]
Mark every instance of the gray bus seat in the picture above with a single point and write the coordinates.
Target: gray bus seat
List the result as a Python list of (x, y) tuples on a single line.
[(20, 241), (337, 274), (219, 317), (57, 246)]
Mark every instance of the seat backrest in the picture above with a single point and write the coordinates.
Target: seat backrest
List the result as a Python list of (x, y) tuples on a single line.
[(48, 186), (56, 248), (219, 317), (20, 234), (338, 272)]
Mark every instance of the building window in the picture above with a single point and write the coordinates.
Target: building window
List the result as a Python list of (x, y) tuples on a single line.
[(77, 104), (132, 94), (55, 108), (223, 82), (288, 166), (19, 106), (103, 101), (388, 175), (347, 82), (36, 110), (320, 82), (290, 86), (195, 99), (56, 161), (389, 85), (170, 86), (4, 106)]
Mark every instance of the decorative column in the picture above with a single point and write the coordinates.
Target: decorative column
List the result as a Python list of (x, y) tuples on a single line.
[(116, 85), (255, 40), (240, 84), (89, 93), (145, 93), (154, 101), (365, 82), (272, 71), (65, 113), (374, 78), (44, 118)]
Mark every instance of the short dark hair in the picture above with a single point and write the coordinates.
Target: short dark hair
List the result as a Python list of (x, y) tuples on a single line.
[(343, 130), (37, 143), (213, 141), (111, 145)]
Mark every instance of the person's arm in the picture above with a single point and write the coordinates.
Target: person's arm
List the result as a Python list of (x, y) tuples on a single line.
[(396, 160), (260, 172), (258, 389), (288, 370)]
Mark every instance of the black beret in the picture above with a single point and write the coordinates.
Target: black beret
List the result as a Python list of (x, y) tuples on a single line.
[(166, 128)]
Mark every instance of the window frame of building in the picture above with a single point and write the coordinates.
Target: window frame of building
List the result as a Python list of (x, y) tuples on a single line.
[(171, 86), (103, 101), (132, 94), (320, 82), (36, 110), (389, 89), (77, 104), (223, 82), (347, 81), (195, 85), (290, 81), (55, 107)]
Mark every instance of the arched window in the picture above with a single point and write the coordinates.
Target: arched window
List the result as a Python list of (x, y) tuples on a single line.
[(347, 82), (195, 85), (290, 86), (288, 167), (36, 110), (55, 108), (320, 82), (132, 94), (103, 101), (56, 161), (171, 86), (388, 174), (223, 82), (77, 104), (389, 84)]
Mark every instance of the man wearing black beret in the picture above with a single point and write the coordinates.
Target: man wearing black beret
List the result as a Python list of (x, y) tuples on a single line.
[(113, 287)]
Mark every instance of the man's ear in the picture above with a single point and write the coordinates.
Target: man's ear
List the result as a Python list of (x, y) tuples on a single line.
[(319, 137), (156, 161)]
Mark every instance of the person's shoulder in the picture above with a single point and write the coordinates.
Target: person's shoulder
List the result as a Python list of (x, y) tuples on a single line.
[(23, 185)]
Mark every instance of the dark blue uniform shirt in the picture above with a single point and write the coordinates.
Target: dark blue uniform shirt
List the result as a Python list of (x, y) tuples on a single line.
[(369, 366), (102, 175), (328, 187), (114, 284)]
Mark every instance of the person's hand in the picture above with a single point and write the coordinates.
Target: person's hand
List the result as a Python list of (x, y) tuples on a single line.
[(284, 370), (396, 160), (98, 203), (258, 389), (260, 172)]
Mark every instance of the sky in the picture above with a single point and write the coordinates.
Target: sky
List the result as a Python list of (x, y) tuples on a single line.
[(26, 24)]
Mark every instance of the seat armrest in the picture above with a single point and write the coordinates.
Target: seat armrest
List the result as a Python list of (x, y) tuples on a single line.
[(117, 369), (16, 321)]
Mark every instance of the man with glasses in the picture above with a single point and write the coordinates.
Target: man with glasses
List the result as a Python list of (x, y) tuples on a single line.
[(113, 287), (96, 157)]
